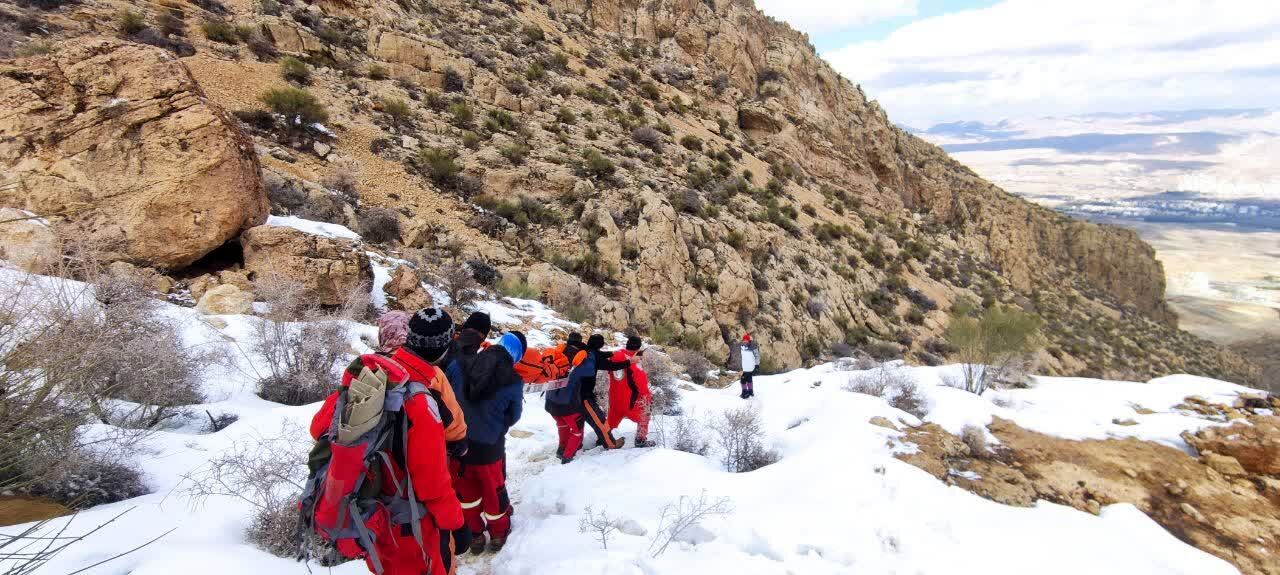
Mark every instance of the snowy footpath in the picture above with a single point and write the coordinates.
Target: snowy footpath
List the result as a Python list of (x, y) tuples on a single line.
[(837, 501)]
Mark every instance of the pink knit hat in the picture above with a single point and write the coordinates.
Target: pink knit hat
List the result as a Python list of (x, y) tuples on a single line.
[(393, 330)]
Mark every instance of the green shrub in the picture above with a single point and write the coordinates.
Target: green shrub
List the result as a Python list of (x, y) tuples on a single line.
[(130, 22), (501, 121), (439, 164), (463, 116), (535, 72), (515, 153), (524, 211), (566, 116), (377, 72), (295, 70), (596, 165), (664, 333), (397, 110), (220, 32), (517, 287), (298, 106), (989, 346), (691, 142), (534, 33)]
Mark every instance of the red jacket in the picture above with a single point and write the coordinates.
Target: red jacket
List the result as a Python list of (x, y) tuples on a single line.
[(627, 387), (425, 455)]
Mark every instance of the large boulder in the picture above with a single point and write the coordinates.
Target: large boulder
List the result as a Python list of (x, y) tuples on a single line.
[(225, 299), (329, 268), (26, 241), (405, 292), (116, 140)]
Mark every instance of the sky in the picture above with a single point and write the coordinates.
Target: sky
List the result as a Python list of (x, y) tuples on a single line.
[(933, 61)]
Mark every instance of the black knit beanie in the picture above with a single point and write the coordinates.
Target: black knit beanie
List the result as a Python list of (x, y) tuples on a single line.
[(524, 343), (478, 321), (596, 341), (430, 333), (634, 343), (574, 337)]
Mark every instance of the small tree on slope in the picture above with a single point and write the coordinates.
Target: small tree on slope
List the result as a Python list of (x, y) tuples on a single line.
[(991, 347)]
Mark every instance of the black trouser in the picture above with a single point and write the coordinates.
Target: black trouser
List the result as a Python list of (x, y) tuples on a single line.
[(595, 417), (748, 388)]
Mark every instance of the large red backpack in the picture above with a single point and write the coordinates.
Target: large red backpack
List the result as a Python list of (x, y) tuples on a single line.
[(344, 501)]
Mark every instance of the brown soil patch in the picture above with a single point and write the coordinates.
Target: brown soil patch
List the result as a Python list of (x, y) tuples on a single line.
[(1235, 518), (16, 510)]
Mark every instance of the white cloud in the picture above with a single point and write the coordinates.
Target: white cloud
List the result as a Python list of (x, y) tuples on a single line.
[(1032, 57), (817, 17)]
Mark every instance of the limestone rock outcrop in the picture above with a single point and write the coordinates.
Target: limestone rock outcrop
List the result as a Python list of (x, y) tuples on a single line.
[(1254, 443), (26, 241), (116, 140), (328, 268)]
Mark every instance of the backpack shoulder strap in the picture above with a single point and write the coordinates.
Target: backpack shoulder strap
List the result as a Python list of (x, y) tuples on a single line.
[(416, 388)]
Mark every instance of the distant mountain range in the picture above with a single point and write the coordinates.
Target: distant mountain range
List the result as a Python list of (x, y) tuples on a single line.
[(1177, 207)]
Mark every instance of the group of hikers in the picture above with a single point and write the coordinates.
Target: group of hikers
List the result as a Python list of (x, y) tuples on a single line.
[(409, 466)]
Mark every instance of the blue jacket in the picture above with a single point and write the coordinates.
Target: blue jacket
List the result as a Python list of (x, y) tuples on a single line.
[(568, 399), (491, 396)]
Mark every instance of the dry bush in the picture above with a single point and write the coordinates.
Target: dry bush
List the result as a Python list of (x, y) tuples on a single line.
[(662, 382), (648, 137), (76, 352), (220, 421), (573, 302), (681, 433), (86, 480), (695, 364), (600, 524), (148, 373), (267, 472), (344, 181), (299, 341), (976, 438), (876, 381), (683, 516), (907, 397), (737, 433), (380, 225), (459, 285)]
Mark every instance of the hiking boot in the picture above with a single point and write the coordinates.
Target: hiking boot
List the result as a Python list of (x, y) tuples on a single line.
[(564, 460), (644, 443), (477, 543), (621, 441), (496, 544)]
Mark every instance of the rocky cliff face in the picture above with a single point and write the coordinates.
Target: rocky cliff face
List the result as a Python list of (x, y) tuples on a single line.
[(689, 169)]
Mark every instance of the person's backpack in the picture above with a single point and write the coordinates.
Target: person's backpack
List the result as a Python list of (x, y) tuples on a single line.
[(343, 500)]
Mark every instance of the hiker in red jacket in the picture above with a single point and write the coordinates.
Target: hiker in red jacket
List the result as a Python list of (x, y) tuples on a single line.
[(629, 395), (399, 550)]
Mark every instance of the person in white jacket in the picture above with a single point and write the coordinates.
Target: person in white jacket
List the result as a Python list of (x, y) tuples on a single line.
[(750, 362)]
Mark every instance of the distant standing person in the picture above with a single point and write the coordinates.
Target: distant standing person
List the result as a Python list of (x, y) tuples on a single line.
[(750, 362)]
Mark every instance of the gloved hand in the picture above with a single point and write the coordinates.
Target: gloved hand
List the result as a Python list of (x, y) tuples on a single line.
[(461, 540), (457, 449)]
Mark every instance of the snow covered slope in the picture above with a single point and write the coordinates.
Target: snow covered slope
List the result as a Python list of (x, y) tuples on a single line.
[(836, 502)]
